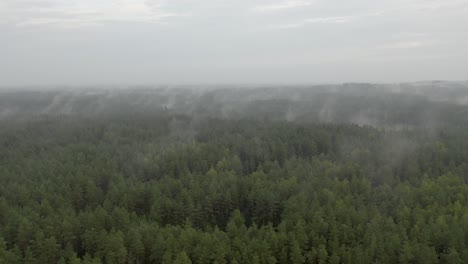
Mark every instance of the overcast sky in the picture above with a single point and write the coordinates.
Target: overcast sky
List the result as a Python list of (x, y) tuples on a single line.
[(83, 42)]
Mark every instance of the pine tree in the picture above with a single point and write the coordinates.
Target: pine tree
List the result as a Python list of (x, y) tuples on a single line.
[(182, 258)]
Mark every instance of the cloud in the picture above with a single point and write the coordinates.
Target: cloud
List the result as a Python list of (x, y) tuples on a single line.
[(324, 20), (423, 41), (281, 6), (314, 20), (340, 19), (61, 13), (438, 5), (404, 45), (225, 40), (80, 13)]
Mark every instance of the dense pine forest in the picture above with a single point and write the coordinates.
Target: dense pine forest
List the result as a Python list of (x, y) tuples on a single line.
[(353, 173)]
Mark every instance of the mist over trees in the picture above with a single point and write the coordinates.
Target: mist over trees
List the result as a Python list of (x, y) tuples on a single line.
[(352, 173)]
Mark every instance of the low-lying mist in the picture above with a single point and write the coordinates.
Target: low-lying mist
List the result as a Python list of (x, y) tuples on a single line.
[(427, 105)]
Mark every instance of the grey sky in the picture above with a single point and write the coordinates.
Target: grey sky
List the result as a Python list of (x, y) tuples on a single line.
[(82, 42)]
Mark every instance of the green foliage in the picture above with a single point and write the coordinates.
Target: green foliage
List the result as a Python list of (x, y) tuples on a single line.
[(130, 189)]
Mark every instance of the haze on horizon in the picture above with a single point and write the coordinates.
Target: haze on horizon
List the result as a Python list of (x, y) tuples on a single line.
[(86, 42)]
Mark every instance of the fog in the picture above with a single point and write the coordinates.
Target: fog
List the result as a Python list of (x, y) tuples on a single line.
[(405, 106)]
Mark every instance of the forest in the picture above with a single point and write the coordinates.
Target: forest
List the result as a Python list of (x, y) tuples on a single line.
[(352, 173)]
